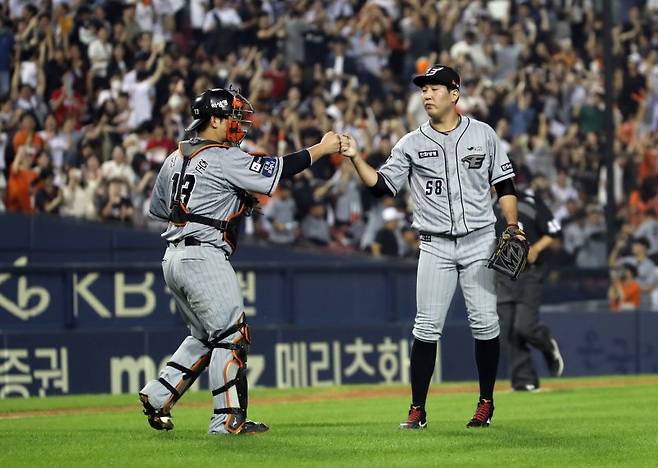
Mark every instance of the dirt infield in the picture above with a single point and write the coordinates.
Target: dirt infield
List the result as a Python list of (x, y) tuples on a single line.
[(342, 394)]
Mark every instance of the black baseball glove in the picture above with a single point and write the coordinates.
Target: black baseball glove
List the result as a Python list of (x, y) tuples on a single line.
[(511, 254)]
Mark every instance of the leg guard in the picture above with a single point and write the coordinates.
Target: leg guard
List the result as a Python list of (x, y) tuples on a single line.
[(159, 396), (228, 376)]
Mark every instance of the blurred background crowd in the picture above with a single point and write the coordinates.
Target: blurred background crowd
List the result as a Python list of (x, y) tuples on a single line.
[(95, 95)]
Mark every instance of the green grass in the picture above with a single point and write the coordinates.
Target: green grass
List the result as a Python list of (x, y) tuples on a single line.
[(607, 426)]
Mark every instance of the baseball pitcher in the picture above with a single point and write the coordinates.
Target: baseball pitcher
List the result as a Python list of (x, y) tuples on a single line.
[(450, 163)]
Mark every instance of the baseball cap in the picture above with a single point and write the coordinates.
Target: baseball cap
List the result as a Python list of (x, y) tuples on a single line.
[(438, 74)]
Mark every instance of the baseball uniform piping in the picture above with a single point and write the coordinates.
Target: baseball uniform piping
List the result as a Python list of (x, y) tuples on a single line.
[(445, 163), (461, 195), (278, 170)]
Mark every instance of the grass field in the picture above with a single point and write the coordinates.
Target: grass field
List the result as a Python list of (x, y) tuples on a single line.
[(574, 422)]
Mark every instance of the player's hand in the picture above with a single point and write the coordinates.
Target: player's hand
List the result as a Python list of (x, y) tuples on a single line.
[(514, 230), (348, 146), (331, 143)]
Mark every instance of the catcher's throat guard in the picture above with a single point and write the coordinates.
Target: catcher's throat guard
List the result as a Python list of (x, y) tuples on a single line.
[(510, 256)]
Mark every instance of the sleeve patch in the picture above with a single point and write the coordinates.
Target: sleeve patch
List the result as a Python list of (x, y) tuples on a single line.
[(506, 166), (264, 166)]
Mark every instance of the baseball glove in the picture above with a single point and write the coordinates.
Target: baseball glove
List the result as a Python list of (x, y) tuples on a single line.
[(511, 254)]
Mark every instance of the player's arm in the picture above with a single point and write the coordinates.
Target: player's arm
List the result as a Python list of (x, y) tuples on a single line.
[(501, 174), (261, 174), (295, 163), (508, 201), (370, 177)]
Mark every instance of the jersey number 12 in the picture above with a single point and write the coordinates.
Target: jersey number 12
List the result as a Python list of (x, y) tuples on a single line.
[(186, 190)]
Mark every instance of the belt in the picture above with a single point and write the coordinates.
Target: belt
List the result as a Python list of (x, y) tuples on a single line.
[(188, 241), (193, 241)]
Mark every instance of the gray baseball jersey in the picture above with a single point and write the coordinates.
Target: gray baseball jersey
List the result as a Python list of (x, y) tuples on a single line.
[(450, 175), (211, 186)]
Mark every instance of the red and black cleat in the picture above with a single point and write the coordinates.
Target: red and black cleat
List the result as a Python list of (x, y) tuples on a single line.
[(417, 418), (483, 414)]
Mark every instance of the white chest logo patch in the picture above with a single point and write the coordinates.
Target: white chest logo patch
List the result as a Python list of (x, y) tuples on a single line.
[(428, 154)]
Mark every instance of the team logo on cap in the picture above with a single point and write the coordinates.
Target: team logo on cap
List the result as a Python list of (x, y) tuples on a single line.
[(433, 71), (223, 103)]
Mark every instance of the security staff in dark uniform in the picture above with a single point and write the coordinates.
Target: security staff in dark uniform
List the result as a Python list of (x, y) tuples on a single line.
[(519, 301)]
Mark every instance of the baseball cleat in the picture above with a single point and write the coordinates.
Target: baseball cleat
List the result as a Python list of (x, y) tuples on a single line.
[(483, 414), (156, 419), (554, 360), (417, 418), (254, 427), (247, 427)]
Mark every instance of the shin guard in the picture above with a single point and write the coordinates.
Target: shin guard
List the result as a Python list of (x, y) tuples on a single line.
[(228, 372)]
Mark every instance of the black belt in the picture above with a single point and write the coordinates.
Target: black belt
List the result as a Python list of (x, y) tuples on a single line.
[(193, 241), (188, 241)]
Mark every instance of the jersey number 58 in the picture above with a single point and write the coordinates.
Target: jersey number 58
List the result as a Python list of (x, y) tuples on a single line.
[(434, 187)]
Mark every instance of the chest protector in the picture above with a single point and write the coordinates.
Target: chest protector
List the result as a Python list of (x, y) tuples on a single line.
[(180, 215)]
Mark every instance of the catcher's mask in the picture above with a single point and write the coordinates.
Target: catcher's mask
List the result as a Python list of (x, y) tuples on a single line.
[(226, 104)]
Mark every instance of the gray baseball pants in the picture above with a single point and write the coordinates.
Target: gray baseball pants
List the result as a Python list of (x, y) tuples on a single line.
[(208, 295), (444, 261)]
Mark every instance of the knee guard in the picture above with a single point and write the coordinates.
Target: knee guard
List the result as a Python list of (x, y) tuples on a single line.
[(235, 388)]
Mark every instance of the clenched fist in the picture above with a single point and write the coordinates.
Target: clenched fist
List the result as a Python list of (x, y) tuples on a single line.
[(348, 146), (330, 143)]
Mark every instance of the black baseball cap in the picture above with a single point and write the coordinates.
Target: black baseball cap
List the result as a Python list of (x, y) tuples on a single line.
[(438, 74)]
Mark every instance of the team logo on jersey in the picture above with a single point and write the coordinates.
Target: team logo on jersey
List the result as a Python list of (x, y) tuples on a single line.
[(264, 166), (269, 165), (474, 160), (256, 165), (428, 154), (474, 148), (506, 167)]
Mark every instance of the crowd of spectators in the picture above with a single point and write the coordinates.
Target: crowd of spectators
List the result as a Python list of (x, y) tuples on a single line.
[(94, 95)]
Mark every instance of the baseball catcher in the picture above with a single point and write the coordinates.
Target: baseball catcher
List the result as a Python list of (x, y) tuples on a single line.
[(203, 190)]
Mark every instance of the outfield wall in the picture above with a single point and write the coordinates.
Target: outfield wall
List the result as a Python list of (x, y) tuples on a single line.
[(107, 328), (118, 361), (102, 322)]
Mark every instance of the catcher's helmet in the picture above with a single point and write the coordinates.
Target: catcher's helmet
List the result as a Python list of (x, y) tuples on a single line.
[(226, 104)]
